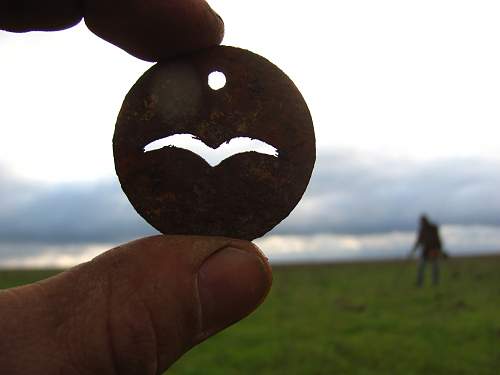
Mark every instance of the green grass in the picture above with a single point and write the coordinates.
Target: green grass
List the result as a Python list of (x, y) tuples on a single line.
[(358, 319)]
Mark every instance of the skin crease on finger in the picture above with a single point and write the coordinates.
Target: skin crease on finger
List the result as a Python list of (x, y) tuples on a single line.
[(148, 29), (133, 310)]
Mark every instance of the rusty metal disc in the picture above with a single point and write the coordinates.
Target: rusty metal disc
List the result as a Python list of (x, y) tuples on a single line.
[(247, 194)]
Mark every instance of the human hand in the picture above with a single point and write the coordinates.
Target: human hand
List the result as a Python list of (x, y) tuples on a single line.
[(133, 310), (136, 308), (151, 30)]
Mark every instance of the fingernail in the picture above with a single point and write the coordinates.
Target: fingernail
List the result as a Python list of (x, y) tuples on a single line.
[(232, 283)]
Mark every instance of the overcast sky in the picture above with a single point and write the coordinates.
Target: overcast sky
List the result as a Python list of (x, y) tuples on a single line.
[(404, 96)]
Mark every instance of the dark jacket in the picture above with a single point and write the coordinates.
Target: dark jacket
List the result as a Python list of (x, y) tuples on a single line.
[(428, 239)]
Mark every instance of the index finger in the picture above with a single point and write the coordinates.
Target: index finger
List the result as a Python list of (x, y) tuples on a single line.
[(148, 29)]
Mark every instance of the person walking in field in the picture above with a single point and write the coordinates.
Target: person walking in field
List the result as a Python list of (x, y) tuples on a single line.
[(431, 249)]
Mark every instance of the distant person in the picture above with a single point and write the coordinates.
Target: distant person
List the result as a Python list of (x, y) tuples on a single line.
[(431, 248)]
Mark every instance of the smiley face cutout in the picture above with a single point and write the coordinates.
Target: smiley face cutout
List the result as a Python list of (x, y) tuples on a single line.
[(255, 130)]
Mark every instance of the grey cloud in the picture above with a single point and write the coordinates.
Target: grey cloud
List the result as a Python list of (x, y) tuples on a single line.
[(460, 240), (67, 213), (349, 194), (353, 194)]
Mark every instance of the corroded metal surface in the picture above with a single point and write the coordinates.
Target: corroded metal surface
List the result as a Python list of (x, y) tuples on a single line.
[(246, 195)]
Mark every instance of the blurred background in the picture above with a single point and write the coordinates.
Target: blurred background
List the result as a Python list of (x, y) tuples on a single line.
[(405, 100)]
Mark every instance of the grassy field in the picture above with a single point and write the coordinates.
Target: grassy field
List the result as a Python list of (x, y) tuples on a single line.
[(358, 319)]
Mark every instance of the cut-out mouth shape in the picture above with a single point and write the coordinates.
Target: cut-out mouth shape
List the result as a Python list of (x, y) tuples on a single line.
[(213, 156)]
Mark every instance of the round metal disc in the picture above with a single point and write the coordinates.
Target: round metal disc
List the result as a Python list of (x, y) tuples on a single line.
[(246, 194)]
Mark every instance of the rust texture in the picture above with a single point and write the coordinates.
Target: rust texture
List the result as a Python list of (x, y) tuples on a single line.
[(246, 195)]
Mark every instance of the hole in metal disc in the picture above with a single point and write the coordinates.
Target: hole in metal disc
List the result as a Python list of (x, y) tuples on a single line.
[(213, 156), (216, 80)]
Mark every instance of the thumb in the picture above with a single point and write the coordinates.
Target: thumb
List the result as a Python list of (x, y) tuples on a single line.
[(133, 310)]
